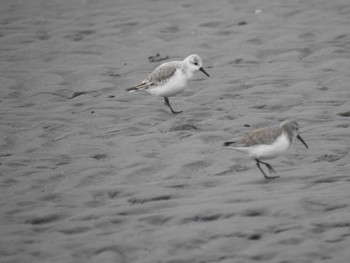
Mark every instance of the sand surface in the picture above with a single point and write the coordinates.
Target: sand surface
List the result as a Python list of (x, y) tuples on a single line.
[(91, 173)]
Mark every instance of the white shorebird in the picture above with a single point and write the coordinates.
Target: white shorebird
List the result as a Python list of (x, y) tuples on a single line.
[(170, 78), (267, 143)]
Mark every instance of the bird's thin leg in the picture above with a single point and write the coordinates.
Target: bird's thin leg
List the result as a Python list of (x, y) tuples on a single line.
[(167, 103), (258, 164), (271, 170)]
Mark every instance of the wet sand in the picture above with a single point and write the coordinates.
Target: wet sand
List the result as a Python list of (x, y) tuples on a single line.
[(91, 173)]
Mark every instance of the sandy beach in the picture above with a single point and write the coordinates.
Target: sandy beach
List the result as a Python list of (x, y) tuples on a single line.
[(91, 173)]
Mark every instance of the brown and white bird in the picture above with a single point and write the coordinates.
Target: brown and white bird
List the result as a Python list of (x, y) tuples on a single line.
[(267, 143)]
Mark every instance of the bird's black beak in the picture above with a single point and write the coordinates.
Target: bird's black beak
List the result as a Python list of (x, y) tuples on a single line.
[(300, 139), (202, 69)]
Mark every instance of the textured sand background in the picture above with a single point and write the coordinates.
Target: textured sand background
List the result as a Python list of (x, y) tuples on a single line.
[(100, 175)]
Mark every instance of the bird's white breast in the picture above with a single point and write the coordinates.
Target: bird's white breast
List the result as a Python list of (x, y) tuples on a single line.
[(267, 151), (175, 84)]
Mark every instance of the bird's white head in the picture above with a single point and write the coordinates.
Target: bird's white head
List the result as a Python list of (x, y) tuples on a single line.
[(194, 63)]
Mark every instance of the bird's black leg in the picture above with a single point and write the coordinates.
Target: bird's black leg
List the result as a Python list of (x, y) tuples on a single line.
[(271, 170), (258, 164), (167, 103)]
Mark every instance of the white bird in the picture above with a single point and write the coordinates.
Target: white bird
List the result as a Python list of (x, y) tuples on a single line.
[(170, 78), (267, 143)]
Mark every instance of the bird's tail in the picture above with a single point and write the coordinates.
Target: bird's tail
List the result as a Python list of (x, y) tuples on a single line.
[(229, 143), (132, 89), (142, 86)]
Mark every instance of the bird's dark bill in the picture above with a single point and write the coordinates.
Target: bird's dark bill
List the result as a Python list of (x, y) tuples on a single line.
[(202, 69), (300, 139)]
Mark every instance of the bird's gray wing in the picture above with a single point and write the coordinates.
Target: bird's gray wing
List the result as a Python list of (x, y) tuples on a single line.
[(161, 75), (260, 136), (158, 77)]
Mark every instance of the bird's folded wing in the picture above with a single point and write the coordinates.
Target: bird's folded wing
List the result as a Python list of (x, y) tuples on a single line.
[(261, 136), (160, 76)]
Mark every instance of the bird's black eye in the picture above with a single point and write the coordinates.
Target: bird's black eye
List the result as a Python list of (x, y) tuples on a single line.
[(195, 63)]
